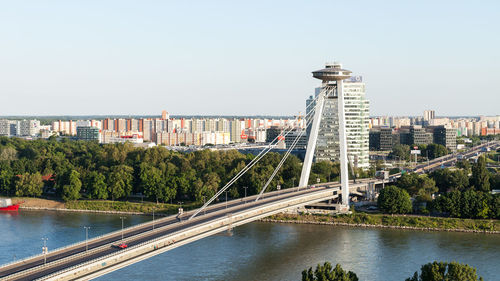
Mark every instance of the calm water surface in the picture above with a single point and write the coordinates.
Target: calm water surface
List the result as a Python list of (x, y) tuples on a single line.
[(260, 251)]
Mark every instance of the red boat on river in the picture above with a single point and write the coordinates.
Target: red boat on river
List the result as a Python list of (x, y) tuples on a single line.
[(6, 205)]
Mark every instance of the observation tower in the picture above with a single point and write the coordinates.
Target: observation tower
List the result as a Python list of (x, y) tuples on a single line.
[(332, 79)]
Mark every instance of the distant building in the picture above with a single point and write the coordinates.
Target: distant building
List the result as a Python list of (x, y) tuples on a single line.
[(5, 127), (419, 135), (30, 127), (64, 127), (164, 115), (388, 138), (429, 115), (374, 139), (446, 137), (87, 133)]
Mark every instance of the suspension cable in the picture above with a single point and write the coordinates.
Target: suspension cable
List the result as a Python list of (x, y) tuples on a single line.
[(259, 156), (285, 156)]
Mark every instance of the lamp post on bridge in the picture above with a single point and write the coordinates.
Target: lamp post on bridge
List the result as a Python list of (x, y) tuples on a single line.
[(245, 187), (45, 250), (278, 187), (153, 218), (204, 209), (181, 211), (86, 237), (122, 218), (226, 199)]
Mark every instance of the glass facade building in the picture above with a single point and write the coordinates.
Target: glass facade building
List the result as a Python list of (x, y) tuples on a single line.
[(357, 111)]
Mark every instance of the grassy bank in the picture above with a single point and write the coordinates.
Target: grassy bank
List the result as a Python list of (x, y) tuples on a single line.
[(102, 205), (123, 206), (436, 223)]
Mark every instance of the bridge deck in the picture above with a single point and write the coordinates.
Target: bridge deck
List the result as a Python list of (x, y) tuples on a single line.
[(98, 248)]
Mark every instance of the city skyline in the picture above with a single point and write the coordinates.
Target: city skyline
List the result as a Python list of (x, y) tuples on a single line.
[(250, 59)]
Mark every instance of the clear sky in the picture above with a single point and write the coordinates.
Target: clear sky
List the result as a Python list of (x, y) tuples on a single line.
[(245, 57)]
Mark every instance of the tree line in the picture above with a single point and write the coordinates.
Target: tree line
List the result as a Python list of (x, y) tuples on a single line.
[(70, 170), (464, 192)]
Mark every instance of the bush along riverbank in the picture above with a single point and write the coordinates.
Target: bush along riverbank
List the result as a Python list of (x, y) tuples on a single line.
[(397, 222)]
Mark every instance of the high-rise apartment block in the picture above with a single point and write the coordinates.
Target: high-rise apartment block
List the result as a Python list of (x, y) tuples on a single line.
[(429, 115)]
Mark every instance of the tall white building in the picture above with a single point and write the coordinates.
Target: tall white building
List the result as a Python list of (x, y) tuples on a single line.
[(357, 111), (429, 115), (29, 127)]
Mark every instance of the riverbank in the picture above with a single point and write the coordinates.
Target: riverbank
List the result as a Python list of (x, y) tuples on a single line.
[(394, 222), (354, 220), (101, 206)]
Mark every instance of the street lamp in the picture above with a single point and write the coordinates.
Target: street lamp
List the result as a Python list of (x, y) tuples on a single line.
[(278, 187), (317, 180), (226, 199), (180, 210), (45, 250), (122, 218), (204, 209), (245, 187), (86, 237), (153, 218)]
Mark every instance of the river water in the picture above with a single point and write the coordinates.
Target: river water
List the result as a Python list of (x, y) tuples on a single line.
[(259, 251)]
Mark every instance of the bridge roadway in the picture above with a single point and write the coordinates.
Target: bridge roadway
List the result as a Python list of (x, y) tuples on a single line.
[(451, 158), (65, 258)]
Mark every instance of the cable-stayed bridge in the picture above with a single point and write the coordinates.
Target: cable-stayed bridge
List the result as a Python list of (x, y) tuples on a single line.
[(75, 262), (96, 257)]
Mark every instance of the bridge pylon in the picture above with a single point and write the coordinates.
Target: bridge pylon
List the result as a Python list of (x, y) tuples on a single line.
[(332, 79)]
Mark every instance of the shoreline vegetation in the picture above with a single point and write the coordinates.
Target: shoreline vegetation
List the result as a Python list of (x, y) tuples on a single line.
[(409, 222)]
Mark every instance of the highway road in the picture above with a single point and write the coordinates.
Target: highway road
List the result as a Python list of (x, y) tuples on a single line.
[(452, 158)]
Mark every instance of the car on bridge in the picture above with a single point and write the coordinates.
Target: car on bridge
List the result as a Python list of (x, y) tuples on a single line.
[(120, 246)]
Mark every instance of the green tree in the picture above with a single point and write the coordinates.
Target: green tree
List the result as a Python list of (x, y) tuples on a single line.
[(400, 151), (480, 176), (463, 164), (120, 181), (6, 176), (29, 185), (326, 272), (8, 153), (495, 206), (71, 191), (441, 271), (426, 187), (394, 200), (409, 183), (151, 181), (96, 185), (495, 180), (418, 185), (435, 150)]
